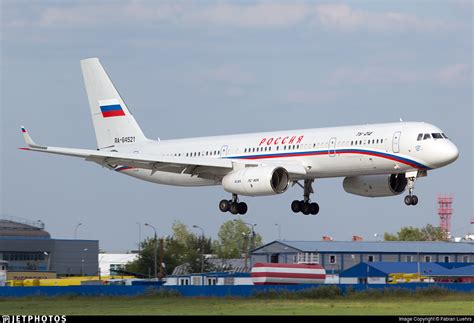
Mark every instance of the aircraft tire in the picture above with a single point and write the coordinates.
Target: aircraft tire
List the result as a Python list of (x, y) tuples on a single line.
[(296, 206), (224, 206)]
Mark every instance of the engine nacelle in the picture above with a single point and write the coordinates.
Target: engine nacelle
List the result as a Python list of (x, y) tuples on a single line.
[(257, 181), (375, 185)]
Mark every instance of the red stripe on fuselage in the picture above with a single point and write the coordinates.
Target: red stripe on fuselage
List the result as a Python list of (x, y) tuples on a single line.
[(285, 155)]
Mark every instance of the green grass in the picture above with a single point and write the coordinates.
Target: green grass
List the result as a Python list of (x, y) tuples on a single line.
[(453, 304)]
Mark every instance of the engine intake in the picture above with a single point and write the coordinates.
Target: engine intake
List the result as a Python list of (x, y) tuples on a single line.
[(375, 185), (257, 181)]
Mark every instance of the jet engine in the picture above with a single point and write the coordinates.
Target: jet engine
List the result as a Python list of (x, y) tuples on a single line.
[(375, 185), (257, 181)]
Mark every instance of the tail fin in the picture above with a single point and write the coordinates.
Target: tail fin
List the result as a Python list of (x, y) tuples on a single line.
[(113, 122)]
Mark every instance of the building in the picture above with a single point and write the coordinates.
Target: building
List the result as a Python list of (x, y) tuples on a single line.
[(3, 272), (336, 256), (30, 251), (114, 263), (209, 279), (385, 272)]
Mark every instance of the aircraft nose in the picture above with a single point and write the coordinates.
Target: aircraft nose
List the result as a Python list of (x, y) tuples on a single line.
[(450, 153)]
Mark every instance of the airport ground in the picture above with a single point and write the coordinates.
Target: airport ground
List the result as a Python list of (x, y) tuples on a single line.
[(451, 304)]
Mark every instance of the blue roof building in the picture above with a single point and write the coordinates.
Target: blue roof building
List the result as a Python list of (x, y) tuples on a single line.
[(379, 272), (337, 256)]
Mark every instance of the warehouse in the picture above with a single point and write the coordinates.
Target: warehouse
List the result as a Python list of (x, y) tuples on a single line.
[(30, 252), (336, 256), (384, 272)]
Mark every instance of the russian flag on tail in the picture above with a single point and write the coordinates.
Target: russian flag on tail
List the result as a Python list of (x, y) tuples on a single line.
[(113, 110)]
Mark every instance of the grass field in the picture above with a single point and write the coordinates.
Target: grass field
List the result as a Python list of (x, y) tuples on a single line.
[(459, 304)]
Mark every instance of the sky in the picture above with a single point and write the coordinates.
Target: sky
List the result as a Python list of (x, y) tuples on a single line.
[(189, 68)]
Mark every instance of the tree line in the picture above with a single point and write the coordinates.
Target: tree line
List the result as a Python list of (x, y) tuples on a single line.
[(184, 247)]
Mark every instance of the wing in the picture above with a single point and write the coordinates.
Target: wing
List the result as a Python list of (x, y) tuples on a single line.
[(198, 166)]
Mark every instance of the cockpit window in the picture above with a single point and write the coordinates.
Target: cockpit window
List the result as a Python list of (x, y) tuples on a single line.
[(420, 136), (445, 136), (427, 136), (437, 136)]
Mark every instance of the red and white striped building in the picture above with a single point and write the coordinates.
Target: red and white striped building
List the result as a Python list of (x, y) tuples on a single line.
[(271, 273)]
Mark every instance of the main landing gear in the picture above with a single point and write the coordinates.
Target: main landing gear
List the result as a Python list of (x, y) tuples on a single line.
[(234, 206), (305, 206), (411, 199)]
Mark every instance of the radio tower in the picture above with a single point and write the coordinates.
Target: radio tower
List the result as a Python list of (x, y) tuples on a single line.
[(445, 212)]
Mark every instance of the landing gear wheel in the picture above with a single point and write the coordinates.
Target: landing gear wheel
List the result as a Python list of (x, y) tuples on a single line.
[(242, 208), (296, 206), (314, 208), (411, 199), (305, 206), (234, 208), (224, 206), (305, 209)]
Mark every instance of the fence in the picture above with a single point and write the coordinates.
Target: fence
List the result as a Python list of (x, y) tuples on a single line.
[(193, 291)]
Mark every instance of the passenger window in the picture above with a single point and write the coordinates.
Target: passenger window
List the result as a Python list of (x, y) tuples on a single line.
[(420, 136), (381, 141), (427, 136), (278, 147)]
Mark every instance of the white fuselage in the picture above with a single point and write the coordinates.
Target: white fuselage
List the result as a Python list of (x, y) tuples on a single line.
[(389, 148)]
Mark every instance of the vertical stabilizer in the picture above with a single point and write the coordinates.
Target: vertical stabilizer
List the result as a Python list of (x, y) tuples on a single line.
[(113, 122)]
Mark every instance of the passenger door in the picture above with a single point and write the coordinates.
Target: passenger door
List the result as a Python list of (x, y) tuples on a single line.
[(396, 142), (332, 147), (224, 150)]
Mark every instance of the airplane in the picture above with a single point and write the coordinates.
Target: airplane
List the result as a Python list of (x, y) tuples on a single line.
[(376, 160)]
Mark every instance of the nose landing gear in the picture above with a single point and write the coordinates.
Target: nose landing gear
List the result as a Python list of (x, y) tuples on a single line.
[(234, 206), (305, 206), (411, 199)]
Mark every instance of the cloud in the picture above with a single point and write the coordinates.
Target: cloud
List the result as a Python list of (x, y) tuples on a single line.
[(264, 15), (310, 96), (231, 74), (344, 18), (259, 15), (449, 74), (454, 73), (234, 80)]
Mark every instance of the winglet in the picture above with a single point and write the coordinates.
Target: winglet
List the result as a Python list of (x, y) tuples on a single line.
[(29, 141)]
